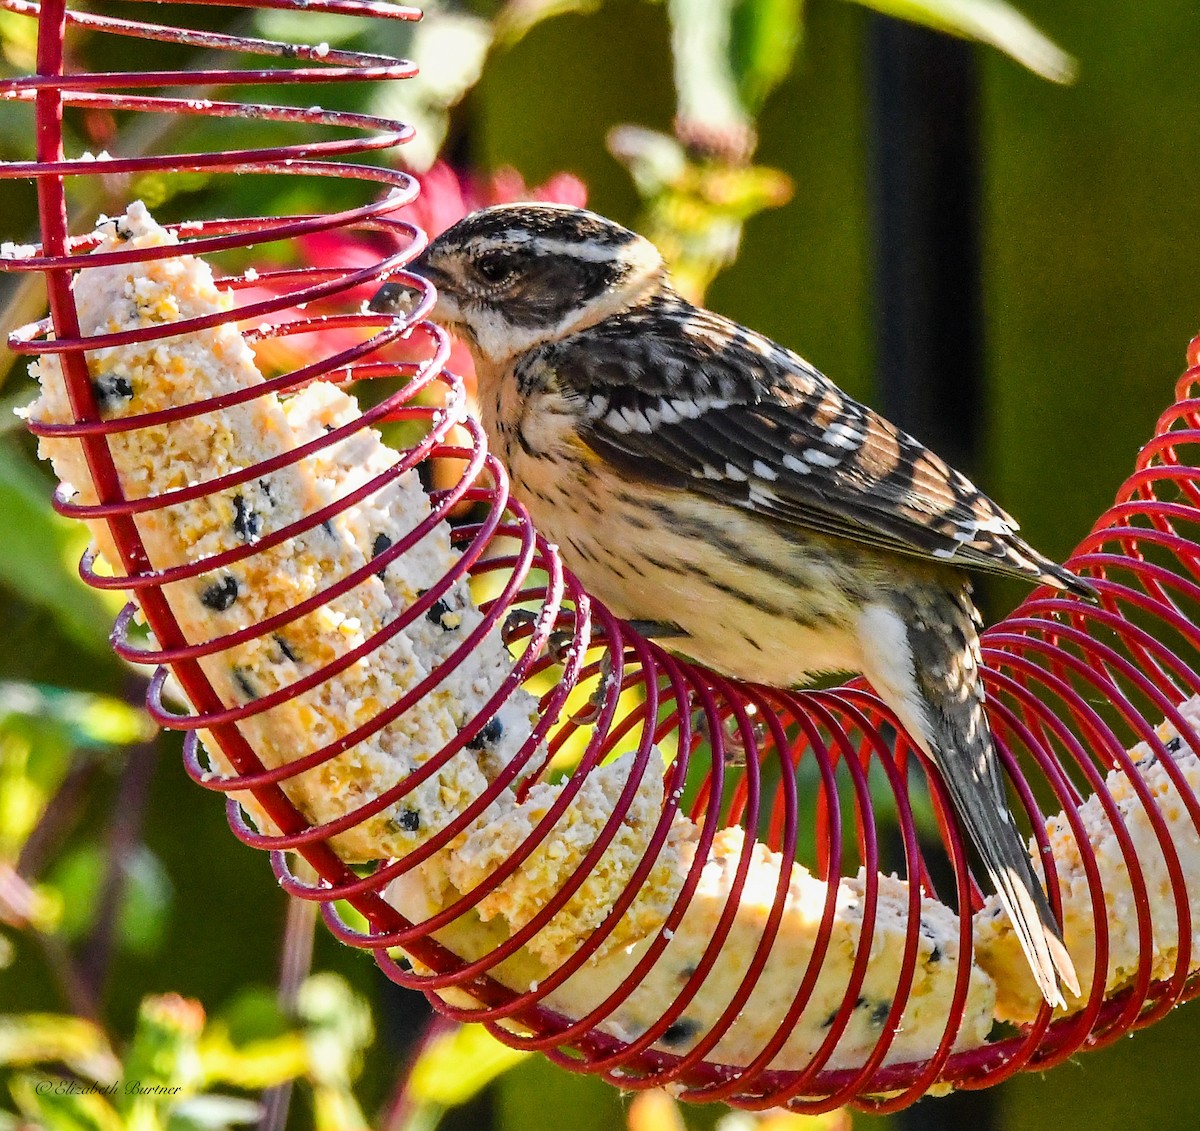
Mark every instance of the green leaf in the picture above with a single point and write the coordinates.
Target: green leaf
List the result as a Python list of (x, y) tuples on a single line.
[(315, 27), (254, 1065), (42, 731), (30, 1039), (705, 84), (694, 209), (459, 1064), (77, 878), (155, 189), (39, 739), (252, 1046), (253, 1015), (146, 899), (41, 552), (18, 40), (64, 1105), (986, 21), (146, 910), (763, 41), (70, 719), (335, 1109), (163, 1053), (100, 720)]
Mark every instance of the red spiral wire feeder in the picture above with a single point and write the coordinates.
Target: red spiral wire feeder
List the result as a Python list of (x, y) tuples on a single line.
[(816, 775)]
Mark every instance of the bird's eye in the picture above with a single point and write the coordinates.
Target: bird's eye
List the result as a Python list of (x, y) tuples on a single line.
[(494, 268)]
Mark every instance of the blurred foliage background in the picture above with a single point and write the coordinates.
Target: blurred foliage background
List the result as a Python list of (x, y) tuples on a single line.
[(742, 146)]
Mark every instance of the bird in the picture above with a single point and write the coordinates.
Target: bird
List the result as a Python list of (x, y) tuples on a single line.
[(717, 491)]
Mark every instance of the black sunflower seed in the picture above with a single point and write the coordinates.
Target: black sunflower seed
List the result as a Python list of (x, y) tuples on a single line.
[(221, 594)]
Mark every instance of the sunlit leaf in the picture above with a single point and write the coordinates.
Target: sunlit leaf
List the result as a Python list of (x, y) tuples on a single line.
[(338, 1027), (18, 40), (70, 719), (987, 21), (459, 1064), (252, 1045), (42, 731), (22, 799), (30, 1039), (163, 1051), (694, 209), (517, 17), (255, 1065), (354, 919), (654, 160)]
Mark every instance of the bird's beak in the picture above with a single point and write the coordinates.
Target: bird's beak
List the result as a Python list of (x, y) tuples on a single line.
[(423, 266), (398, 297)]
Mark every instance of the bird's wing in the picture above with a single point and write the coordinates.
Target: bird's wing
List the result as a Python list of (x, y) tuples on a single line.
[(682, 397)]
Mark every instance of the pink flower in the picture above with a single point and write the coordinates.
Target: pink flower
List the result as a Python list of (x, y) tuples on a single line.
[(447, 196)]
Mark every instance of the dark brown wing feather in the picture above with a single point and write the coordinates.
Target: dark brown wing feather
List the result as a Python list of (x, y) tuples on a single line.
[(688, 399)]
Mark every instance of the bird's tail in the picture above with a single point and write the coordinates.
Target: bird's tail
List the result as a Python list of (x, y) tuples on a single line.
[(939, 700)]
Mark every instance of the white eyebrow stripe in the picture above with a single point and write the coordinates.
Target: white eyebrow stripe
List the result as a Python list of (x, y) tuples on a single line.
[(590, 251)]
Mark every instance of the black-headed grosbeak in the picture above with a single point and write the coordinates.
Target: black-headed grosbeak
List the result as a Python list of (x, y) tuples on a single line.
[(704, 481)]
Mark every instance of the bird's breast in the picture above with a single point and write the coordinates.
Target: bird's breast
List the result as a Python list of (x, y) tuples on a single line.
[(749, 602)]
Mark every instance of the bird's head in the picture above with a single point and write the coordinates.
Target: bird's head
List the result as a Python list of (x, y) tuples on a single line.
[(514, 276)]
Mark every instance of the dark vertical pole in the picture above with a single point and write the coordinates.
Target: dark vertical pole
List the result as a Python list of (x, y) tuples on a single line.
[(925, 182), (924, 106)]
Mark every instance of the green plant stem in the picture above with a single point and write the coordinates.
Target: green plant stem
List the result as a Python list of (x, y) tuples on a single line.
[(76, 989), (59, 818)]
